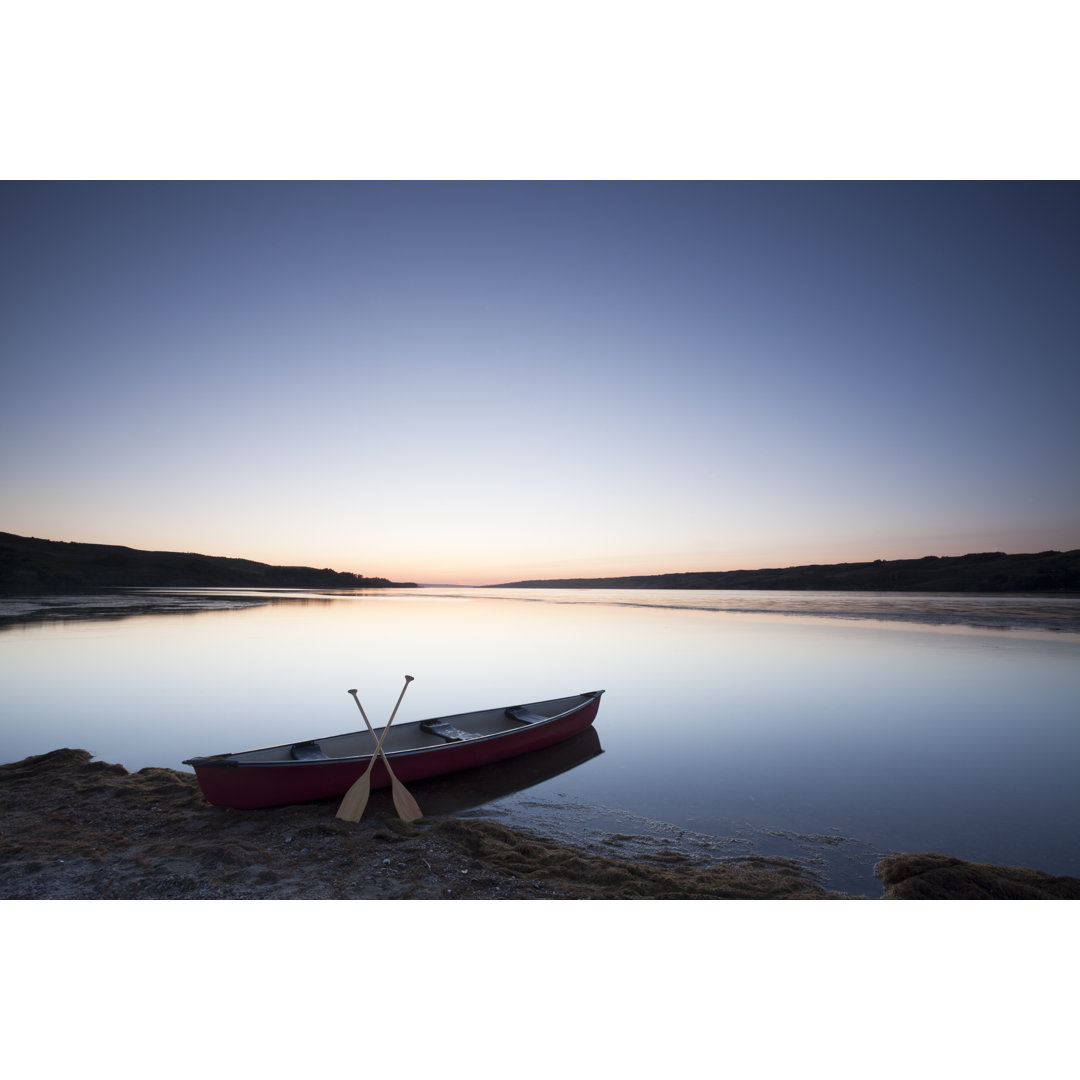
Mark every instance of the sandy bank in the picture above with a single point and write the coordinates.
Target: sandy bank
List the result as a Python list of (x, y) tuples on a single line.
[(72, 828)]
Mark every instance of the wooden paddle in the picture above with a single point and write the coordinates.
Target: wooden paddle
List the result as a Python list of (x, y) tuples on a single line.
[(404, 803), (356, 798)]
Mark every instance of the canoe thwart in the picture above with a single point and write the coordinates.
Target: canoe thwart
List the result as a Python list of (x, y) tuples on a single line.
[(519, 712), (447, 731), (307, 751)]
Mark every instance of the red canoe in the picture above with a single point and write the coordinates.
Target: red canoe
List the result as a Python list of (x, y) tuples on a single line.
[(327, 768)]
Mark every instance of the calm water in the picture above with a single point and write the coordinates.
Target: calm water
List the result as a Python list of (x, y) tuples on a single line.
[(833, 728)]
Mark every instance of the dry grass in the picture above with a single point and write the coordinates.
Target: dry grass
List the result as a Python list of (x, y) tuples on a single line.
[(670, 876), (78, 829)]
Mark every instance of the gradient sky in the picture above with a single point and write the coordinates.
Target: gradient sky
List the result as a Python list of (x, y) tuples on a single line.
[(485, 382)]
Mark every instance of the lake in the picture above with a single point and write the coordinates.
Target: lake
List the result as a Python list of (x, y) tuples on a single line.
[(833, 728)]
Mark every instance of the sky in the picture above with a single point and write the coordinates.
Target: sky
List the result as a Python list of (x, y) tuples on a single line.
[(482, 382)]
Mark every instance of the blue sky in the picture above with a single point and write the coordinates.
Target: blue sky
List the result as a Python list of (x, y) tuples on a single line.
[(484, 382)]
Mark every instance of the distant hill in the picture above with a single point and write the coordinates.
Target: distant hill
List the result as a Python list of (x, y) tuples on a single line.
[(986, 572), (31, 566)]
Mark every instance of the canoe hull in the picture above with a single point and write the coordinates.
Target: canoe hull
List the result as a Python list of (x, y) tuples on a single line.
[(256, 786)]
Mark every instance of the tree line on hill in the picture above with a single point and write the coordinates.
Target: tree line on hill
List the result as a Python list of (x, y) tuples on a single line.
[(29, 566), (982, 572)]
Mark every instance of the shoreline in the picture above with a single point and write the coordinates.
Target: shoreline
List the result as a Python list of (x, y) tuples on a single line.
[(73, 828), (1014, 612)]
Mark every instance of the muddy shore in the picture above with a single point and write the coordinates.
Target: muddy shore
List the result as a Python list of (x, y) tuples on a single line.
[(72, 828)]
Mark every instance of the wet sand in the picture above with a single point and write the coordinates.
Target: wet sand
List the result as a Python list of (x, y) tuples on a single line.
[(72, 828)]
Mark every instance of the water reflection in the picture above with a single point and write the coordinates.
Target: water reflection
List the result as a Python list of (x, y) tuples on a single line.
[(839, 738), (988, 611), (455, 794)]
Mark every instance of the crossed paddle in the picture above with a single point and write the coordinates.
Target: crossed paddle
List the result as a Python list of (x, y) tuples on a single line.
[(356, 798)]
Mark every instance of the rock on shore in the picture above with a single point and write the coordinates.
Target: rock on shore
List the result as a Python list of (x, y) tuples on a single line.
[(930, 876)]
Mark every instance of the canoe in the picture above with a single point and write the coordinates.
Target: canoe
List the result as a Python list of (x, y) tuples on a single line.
[(326, 768)]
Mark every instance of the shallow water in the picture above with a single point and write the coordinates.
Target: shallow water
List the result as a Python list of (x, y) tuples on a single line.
[(831, 727)]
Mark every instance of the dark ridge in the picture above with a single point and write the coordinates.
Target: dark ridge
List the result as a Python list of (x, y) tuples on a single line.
[(29, 566), (984, 572)]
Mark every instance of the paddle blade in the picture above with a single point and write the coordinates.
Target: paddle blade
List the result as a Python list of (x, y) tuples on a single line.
[(355, 801), (404, 803)]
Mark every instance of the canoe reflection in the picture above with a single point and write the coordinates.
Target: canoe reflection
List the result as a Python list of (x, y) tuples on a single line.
[(452, 794)]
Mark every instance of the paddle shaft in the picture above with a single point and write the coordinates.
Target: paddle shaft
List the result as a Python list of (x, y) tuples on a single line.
[(379, 739), (408, 679), (386, 730)]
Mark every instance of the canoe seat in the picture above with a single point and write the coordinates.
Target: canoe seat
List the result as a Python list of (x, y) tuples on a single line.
[(519, 712), (447, 731), (307, 751)]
